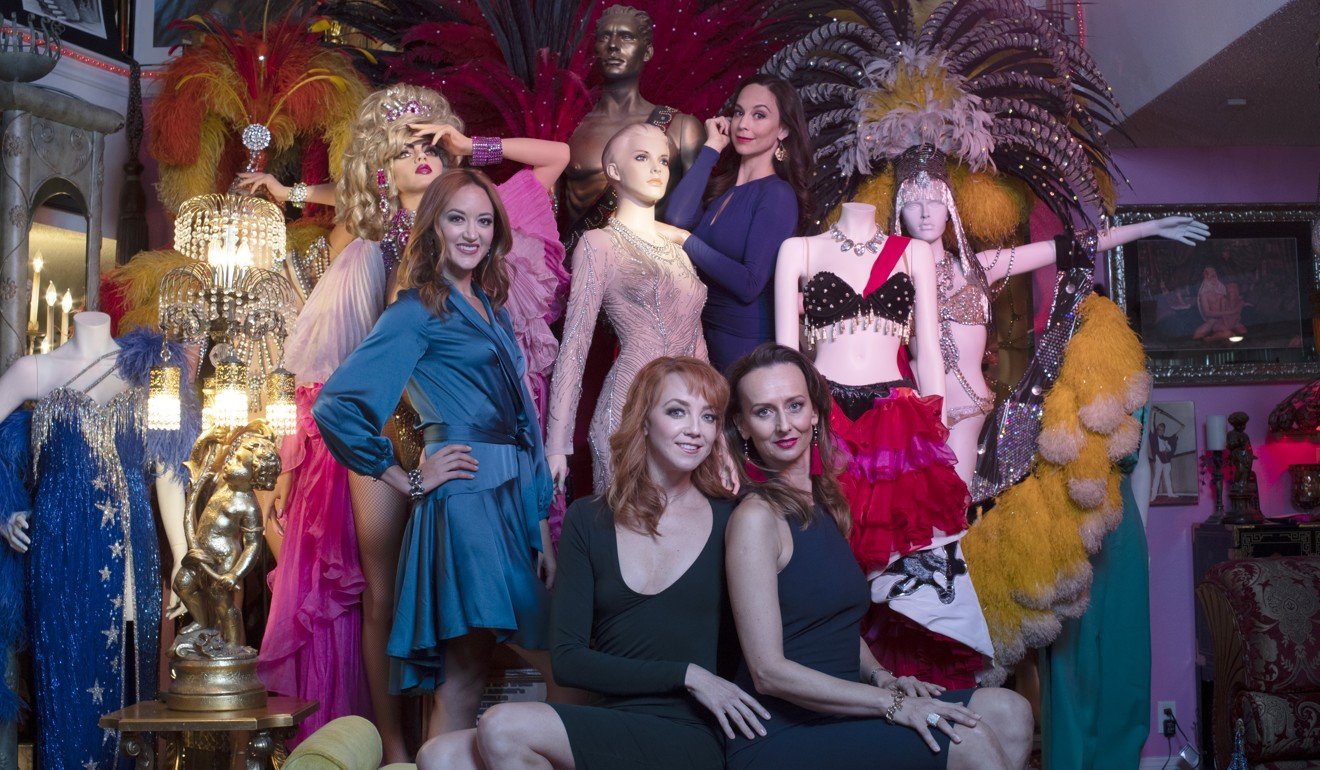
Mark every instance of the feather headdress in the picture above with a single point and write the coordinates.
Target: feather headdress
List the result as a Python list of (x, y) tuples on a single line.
[(991, 83), (279, 76)]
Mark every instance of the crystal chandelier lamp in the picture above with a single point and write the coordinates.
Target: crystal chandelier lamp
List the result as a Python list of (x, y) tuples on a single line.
[(231, 302)]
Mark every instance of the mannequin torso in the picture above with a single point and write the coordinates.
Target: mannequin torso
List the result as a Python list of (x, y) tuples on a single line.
[(865, 354), (34, 377)]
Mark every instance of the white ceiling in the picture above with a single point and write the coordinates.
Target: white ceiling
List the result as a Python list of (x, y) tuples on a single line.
[(1174, 64)]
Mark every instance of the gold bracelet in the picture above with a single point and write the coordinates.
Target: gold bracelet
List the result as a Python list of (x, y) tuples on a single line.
[(894, 707)]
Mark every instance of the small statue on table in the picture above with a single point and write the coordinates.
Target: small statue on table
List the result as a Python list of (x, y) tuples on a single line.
[(1243, 492), (210, 668)]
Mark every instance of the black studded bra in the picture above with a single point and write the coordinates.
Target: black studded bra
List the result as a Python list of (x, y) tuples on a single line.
[(833, 307)]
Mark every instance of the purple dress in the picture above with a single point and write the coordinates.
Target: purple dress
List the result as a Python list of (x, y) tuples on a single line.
[(734, 245)]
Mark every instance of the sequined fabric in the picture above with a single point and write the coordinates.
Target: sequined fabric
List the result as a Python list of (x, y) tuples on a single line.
[(1008, 443), (93, 553), (653, 301), (833, 307)]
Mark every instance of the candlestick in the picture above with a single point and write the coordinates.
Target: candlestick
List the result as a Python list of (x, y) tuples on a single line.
[(52, 296), (1216, 432), (37, 264), (66, 305)]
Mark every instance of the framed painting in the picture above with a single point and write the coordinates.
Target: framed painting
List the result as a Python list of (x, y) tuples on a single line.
[(1237, 307), (91, 24), (1173, 453), (153, 35)]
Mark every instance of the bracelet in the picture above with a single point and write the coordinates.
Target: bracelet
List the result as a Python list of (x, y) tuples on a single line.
[(298, 195), (415, 490), (874, 678), (1090, 241), (894, 707), (487, 150)]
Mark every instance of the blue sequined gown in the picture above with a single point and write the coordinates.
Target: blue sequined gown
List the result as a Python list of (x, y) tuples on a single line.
[(93, 556)]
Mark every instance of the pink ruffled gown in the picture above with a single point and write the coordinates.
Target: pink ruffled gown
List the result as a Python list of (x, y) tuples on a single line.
[(313, 643)]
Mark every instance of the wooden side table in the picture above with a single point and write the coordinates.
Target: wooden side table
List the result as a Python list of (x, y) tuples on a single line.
[(270, 726)]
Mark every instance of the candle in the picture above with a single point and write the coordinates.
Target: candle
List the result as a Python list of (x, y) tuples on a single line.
[(66, 305), (1216, 432), (37, 264), (52, 296)]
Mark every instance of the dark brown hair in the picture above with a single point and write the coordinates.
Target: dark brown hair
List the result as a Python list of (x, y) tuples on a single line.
[(825, 489), (795, 169), (633, 496), (423, 263)]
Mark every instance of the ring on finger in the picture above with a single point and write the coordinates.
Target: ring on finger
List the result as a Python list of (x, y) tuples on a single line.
[(933, 719)]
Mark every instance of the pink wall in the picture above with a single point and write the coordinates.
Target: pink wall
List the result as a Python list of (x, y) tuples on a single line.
[(1210, 175)]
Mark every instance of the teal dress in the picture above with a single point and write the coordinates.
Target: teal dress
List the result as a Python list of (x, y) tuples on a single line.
[(1095, 678), (469, 550)]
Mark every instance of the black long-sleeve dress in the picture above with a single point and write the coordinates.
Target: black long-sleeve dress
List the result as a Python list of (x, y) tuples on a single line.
[(634, 649)]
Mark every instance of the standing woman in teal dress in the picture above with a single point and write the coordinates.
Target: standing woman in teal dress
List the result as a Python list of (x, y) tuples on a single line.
[(468, 573)]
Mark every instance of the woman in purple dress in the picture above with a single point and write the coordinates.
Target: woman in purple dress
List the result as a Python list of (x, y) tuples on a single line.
[(740, 206)]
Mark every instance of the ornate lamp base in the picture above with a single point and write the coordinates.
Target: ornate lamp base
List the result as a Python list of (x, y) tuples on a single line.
[(228, 684)]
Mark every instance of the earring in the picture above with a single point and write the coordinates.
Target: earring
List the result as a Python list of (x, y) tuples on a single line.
[(781, 154), (817, 466), (383, 188)]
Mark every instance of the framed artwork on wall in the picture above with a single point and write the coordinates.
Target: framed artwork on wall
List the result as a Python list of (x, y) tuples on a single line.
[(153, 36), (91, 24), (1237, 307), (1173, 453)]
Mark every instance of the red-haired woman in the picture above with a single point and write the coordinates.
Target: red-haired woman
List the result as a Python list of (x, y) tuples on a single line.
[(638, 608), (467, 575)]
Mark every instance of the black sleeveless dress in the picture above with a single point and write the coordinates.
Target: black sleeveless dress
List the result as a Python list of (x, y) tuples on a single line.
[(822, 598)]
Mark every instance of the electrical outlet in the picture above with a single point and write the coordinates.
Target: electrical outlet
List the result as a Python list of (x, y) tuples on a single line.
[(1166, 717)]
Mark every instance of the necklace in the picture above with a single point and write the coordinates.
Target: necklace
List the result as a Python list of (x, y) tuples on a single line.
[(656, 252), (846, 243)]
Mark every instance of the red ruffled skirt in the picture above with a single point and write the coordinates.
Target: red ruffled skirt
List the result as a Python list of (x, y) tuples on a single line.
[(903, 490), (900, 480)]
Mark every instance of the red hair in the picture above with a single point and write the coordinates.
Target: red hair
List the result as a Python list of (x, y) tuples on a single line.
[(634, 497)]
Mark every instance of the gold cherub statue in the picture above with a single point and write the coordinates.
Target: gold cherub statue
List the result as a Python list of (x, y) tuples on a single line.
[(210, 667)]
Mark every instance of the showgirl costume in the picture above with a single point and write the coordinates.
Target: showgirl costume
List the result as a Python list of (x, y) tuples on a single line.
[(908, 504), (15, 496), (734, 245), (317, 586), (468, 558), (653, 299), (94, 563)]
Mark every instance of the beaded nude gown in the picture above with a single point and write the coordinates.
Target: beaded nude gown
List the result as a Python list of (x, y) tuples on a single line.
[(653, 299)]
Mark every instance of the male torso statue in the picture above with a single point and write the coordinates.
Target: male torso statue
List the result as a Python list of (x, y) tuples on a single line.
[(623, 46)]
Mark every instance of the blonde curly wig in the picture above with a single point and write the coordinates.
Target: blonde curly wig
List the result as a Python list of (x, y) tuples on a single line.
[(376, 141)]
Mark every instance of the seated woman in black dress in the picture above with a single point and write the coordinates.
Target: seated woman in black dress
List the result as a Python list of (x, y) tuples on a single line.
[(639, 612), (798, 598)]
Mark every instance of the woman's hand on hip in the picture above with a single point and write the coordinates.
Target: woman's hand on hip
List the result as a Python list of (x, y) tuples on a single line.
[(451, 462)]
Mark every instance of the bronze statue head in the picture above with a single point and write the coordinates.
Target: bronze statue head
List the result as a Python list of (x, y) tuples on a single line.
[(623, 41), (254, 459)]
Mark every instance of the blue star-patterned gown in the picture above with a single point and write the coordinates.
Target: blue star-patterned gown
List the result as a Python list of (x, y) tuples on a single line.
[(94, 558)]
